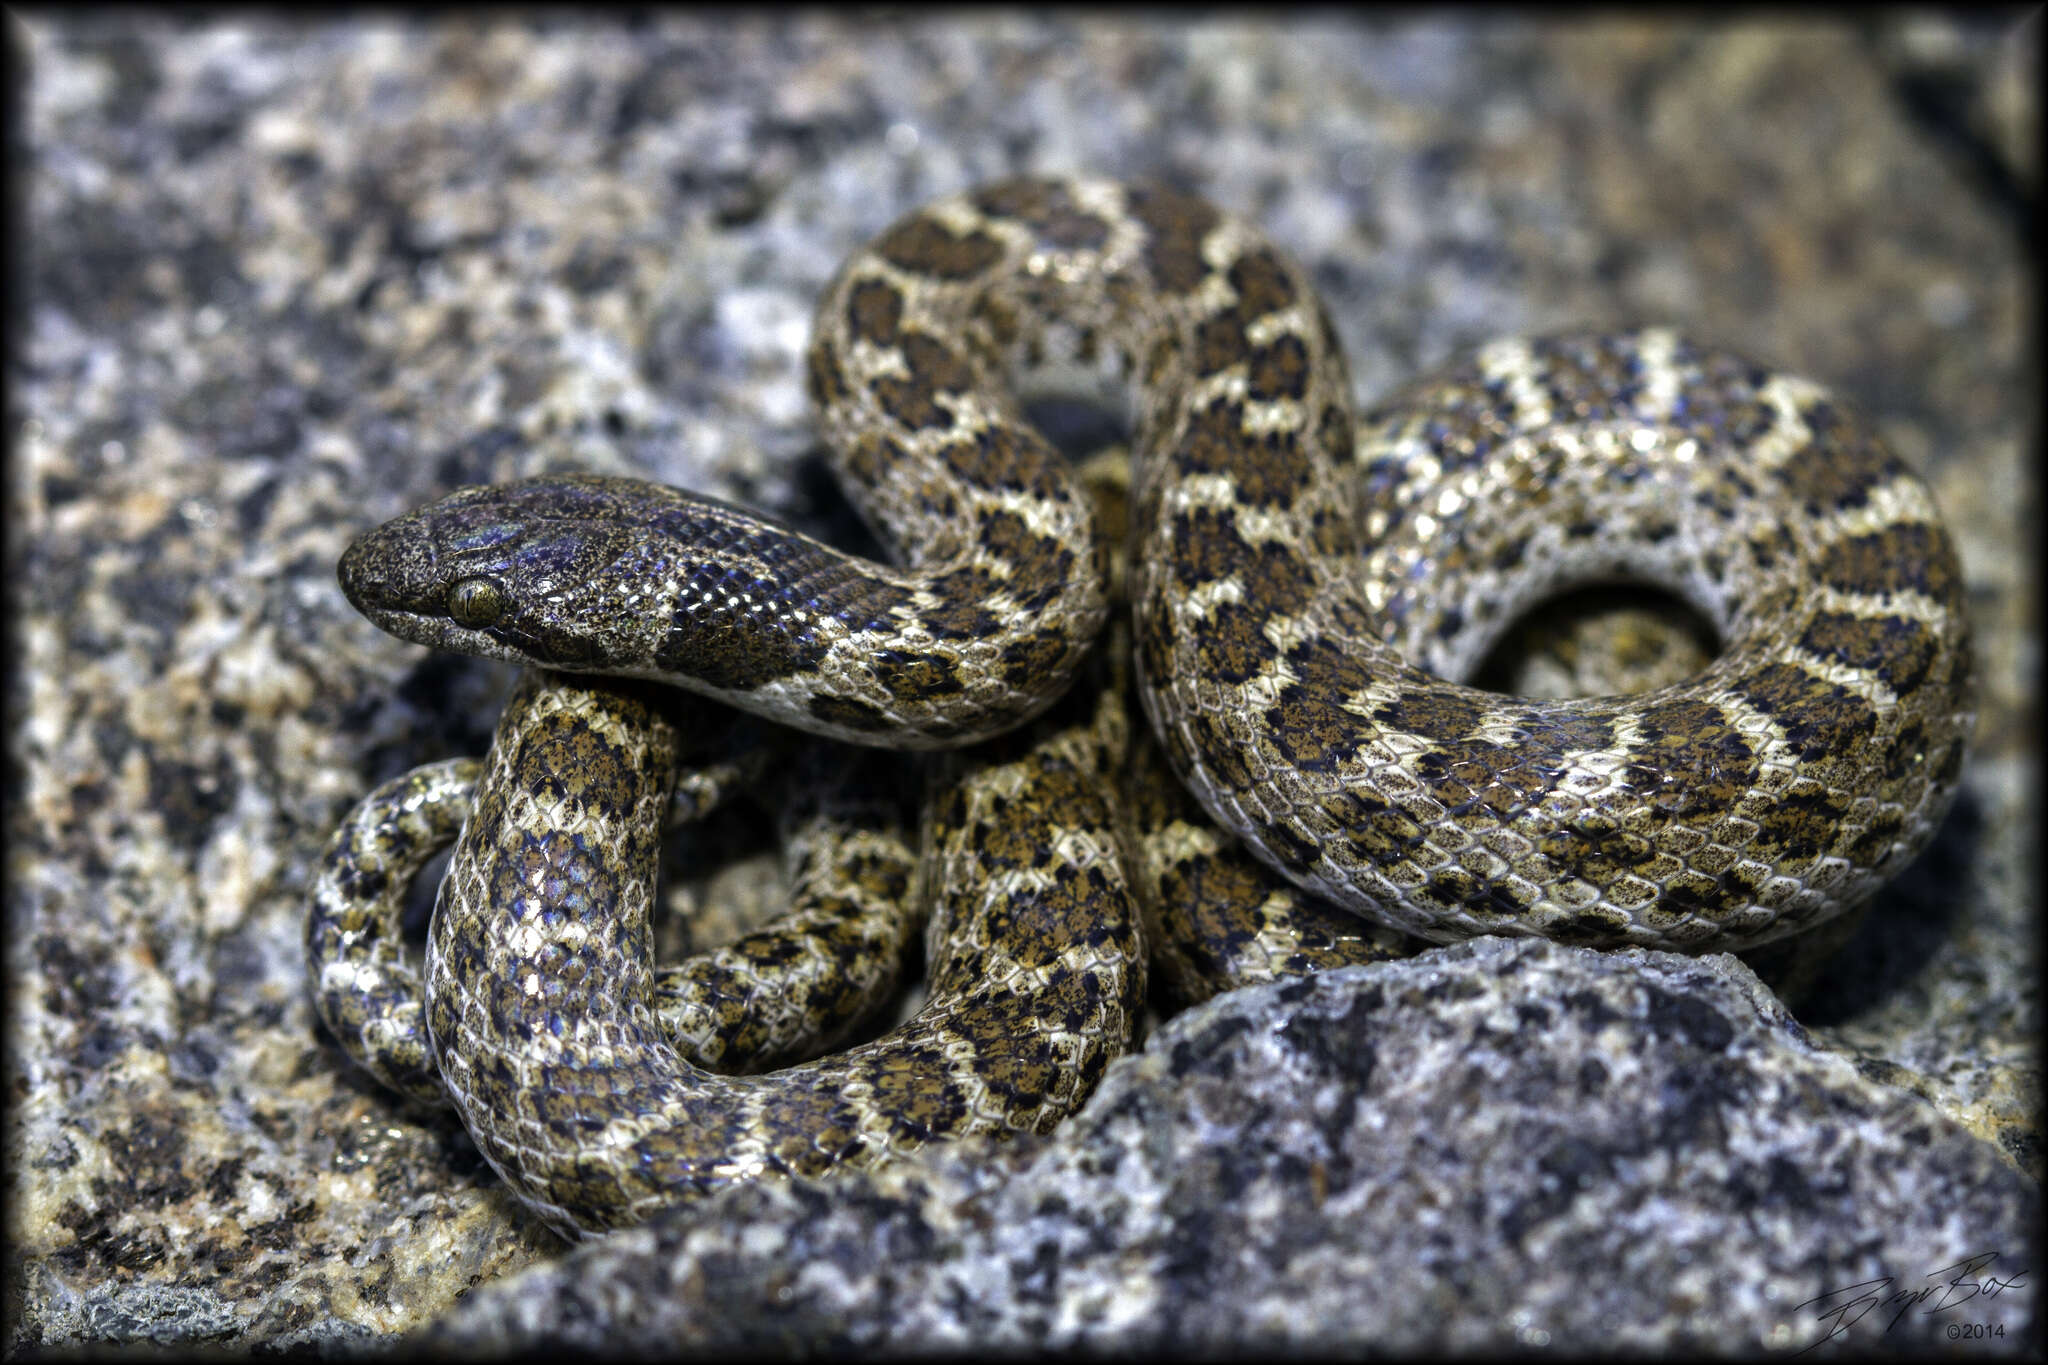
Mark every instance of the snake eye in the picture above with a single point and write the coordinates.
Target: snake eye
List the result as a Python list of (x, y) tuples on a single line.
[(475, 603)]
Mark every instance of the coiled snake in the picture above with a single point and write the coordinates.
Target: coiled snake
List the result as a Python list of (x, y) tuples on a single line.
[(1302, 585)]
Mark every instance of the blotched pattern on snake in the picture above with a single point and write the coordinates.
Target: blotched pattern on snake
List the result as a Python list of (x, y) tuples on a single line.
[(1304, 587)]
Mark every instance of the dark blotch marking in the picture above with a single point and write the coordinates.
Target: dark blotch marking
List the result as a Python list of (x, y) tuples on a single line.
[(1375, 830), (1313, 731), (1035, 658), (1699, 897), (1311, 725), (1912, 558), (1152, 628), (1595, 847), (1335, 538), (1013, 459), (1586, 930), (1818, 718), (937, 501), (871, 457), (965, 615), (1221, 753), (1692, 760), (1045, 205), (1234, 648), (1040, 566), (1840, 466), (916, 673), (1908, 744), (1482, 897), (924, 246), (874, 310), (1262, 283), (1220, 343), (1176, 223), (1279, 371), (1897, 649), (824, 378), (934, 369), (1441, 714), (1874, 845), (1486, 781), (1270, 468), (1001, 320), (1296, 853), (1804, 821), (1208, 549)]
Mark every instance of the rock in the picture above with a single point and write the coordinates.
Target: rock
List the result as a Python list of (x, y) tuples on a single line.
[(1502, 1144)]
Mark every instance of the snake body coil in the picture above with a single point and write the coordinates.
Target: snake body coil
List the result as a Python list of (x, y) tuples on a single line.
[(1307, 587)]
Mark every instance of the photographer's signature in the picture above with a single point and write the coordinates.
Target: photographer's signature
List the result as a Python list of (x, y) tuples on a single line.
[(1950, 1287)]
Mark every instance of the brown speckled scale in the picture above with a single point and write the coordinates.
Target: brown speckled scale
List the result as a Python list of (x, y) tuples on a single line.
[(1307, 590)]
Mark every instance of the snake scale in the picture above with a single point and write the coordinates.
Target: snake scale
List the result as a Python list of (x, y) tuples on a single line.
[(1306, 587)]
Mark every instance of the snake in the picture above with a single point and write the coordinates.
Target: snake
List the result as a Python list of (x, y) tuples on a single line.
[(1304, 777)]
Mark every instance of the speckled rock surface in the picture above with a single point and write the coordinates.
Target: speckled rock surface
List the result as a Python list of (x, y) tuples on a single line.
[(279, 281), (1497, 1144)]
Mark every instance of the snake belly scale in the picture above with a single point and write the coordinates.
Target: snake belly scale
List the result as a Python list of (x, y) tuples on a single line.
[(1307, 588)]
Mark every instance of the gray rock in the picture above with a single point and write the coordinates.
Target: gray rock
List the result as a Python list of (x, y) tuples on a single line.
[(1499, 1144)]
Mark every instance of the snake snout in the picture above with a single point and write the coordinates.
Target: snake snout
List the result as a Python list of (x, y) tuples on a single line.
[(391, 568)]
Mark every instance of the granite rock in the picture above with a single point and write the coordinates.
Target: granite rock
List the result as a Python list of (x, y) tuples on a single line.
[(1502, 1144)]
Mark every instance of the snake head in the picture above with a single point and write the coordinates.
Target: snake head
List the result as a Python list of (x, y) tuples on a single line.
[(561, 571)]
